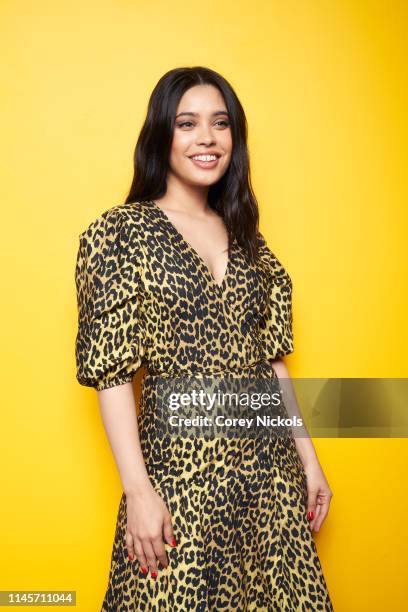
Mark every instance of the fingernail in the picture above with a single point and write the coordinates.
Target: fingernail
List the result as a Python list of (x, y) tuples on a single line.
[(130, 557), (310, 516), (154, 574), (173, 542), (144, 570)]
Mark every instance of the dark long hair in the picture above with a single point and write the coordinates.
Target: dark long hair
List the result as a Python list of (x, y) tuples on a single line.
[(232, 196)]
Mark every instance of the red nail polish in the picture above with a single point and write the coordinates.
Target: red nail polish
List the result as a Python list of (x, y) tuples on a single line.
[(144, 570), (310, 515), (173, 542), (130, 557), (154, 574)]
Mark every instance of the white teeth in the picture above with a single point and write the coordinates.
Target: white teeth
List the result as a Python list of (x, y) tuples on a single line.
[(204, 157)]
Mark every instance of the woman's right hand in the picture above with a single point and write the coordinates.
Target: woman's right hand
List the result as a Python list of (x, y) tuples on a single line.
[(148, 520)]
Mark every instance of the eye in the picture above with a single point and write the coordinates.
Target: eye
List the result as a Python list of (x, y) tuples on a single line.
[(187, 123), (223, 122)]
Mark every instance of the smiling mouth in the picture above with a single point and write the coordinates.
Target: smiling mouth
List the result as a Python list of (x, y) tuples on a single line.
[(205, 162), (205, 158)]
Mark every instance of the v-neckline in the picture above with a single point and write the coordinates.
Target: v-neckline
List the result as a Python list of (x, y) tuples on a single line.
[(179, 235)]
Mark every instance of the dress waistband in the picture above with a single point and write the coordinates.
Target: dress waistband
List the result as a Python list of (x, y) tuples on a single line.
[(239, 369)]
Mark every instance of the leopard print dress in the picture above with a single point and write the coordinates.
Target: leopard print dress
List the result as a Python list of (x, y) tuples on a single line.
[(238, 505)]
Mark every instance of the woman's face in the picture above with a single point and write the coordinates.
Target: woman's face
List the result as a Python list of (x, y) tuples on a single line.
[(202, 128)]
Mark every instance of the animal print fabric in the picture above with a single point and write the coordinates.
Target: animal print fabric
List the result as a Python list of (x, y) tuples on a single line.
[(146, 298)]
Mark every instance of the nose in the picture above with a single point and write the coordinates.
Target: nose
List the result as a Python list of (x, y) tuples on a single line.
[(205, 136)]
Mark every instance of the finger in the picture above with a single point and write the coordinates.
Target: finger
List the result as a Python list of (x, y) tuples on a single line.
[(129, 545), (150, 556), (312, 523), (141, 557), (168, 532), (319, 502), (323, 513), (160, 551), (311, 504)]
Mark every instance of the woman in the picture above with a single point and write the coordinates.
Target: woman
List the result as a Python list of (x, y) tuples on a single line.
[(179, 279)]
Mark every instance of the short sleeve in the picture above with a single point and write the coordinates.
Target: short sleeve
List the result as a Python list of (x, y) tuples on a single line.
[(109, 345), (276, 323)]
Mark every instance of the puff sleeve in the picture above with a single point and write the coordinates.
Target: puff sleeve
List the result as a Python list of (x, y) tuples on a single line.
[(276, 323), (109, 345)]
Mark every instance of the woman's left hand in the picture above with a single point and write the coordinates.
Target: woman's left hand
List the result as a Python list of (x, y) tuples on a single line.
[(319, 495)]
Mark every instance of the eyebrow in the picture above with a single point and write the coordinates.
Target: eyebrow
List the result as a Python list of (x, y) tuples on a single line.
[(220, 112)]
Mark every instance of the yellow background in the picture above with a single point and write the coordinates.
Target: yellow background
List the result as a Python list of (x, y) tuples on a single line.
[(324, 88)]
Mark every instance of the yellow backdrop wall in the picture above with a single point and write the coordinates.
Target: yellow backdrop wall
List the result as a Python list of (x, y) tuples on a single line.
[(326, 104)]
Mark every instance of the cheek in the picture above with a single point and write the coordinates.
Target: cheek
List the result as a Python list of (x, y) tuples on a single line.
[(180, 144), (225, 142), (177, 155), (178, 160)]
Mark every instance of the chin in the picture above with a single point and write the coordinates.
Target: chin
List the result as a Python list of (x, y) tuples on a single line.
[(204, 180)]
